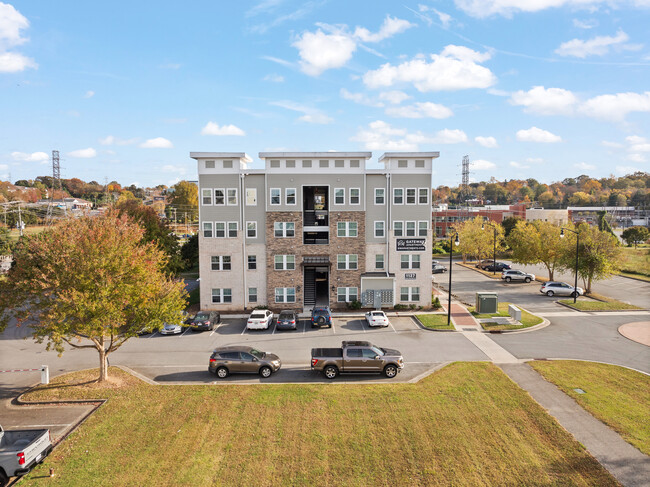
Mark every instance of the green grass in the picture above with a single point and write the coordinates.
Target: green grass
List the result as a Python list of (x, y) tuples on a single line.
[(465, 425), (635, 262), (192, 273), (527, 319), (598, 303), (617, 396), (194, 296), (435, 322)]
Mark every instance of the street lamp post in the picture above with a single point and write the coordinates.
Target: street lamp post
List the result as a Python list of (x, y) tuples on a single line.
[(575, 285), (494, 250), (452, 242)]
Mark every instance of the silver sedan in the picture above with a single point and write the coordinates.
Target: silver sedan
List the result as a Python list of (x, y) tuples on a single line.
[(171, 329)]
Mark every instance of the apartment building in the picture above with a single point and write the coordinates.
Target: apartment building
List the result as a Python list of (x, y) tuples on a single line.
[(314, 228)]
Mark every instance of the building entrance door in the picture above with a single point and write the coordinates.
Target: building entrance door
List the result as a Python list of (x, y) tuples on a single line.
[(316, 286)]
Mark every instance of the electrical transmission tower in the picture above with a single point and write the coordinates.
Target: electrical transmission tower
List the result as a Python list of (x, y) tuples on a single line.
[(464, 189), (56, 182)]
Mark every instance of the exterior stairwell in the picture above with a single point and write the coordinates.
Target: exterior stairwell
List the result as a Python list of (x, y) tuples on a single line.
[(309, 287)]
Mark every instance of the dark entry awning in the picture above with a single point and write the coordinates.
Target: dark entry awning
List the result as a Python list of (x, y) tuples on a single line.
[(316, 260)]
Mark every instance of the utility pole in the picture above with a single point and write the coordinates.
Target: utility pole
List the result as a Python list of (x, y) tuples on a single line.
[(20, 222)]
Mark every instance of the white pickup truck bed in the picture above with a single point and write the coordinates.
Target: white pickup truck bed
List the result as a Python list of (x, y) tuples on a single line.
[(20, 450)]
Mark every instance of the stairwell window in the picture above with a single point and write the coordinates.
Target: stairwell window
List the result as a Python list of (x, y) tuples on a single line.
[(251, 196), (232, 229), (380, 194), (379, 261), (398, 196), (410, 229), (339, 196), (347, 262), (232, 196), (220, 229), (423, 227), (379, 229), (252, 295), (275, 196), (346, 294), (355, 196), (290, 196), (251, 229), (410, 196), (252, 262)]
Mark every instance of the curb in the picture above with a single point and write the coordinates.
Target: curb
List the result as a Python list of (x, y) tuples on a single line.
[(419, 323), (600, 310), (545, 322), (630, 277)]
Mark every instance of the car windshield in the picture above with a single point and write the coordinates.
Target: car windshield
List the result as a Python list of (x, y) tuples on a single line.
[(286, 316), (257, 353), (378, 351), (378, 314), (201, 316)]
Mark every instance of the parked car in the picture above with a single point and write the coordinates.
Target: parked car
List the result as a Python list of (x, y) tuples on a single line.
[(21, 450), (287, 320), (434, 262), (438, 269), (260, 319), (147, 331), (516, 275), (356, 357), (485, 262), (377, 318), (245, 360), (321, 317), (171, 329), (501, 266), (551, 288), (205, 320)]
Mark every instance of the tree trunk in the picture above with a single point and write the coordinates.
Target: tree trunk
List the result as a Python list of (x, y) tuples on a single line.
[(103, 362), (588, 290)]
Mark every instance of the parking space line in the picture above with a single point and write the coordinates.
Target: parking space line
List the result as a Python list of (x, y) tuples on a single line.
[(215, 329), (154, 333), (275, 327), (391, 325), (244, 330), (333, 327), (304, 327), (186, 330), (363, 327)]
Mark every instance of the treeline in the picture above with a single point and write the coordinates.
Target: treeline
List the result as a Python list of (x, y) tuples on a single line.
[(630, 190)]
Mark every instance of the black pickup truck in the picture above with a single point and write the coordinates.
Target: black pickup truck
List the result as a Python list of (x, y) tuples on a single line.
[(356, 357)]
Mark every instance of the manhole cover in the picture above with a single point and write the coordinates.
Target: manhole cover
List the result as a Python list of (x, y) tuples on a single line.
[(579, 391)]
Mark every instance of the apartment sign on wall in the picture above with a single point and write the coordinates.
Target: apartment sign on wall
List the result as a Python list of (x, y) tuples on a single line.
[(410, 244)]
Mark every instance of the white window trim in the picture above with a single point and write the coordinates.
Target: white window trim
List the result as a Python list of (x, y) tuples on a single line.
[(383, 230), (279, 190), (346, 231), (228, 203), (228, 229), (415, 196), (347, 294), (286, 197), (211, 192), (284, 294), (225, 196), (221, 295), (427, 191), (225, 229), (403, 196), (427, 228), (350, 193), (257, 295), (383, 261), (248, 263), (380, 189), (410, 294), (410, 261), (347, 262), (402, 230), (254, 191), (283, 226), (284, 262), (415, 229), (255, 229), (211, 229), (220, 263), (339, 189)]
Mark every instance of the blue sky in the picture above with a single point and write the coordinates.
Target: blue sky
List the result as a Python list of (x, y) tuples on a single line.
[(125, 90)]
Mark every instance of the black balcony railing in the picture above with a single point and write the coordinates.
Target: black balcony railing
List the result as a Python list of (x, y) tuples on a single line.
[(315, 218)]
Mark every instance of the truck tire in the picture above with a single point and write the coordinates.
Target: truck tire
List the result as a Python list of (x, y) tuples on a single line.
[(321, 320), (527, 279), (331, 371), (4, 480), (222, 372), (266, 372), (390, 371)]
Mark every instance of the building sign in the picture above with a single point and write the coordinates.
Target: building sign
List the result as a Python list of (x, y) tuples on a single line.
[(410, 244), (409, 276)]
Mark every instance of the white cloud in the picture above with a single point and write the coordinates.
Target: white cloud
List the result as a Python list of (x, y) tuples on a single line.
[(534, 160), (486, 8), (545, 101), (598, 46), (12, 23), (635, 139), (12, 62), (112, 140), (83, 153), (519, 165), (535, 134), (171, 168), (319, 51), (585, 24), (420, 110), (170, 66), (389, 28), (482, 165), (310, 115), (623, 170), (212, 128), (360, 98), (41, 157), (276, 60), (381, 136), (616, 107), (611, 145), (636, 157), (583, 166), (89, 94), (157, 143), (395, 96), (274, 78), (455, 68), (449, 136), (489, 142)]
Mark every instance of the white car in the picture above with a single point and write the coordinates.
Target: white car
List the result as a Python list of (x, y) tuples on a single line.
[(552, 288), (260, 319), (171, 329), (515, 275), (377, 318)]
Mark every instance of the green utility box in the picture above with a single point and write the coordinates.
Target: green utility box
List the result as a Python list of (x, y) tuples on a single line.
[(487, 302)]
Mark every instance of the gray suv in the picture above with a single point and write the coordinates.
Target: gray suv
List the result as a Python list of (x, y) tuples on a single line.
[(515, 275), (247, 360)]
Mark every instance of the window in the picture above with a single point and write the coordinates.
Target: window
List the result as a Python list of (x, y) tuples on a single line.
[(232, 196), (306, 163), (423, 227), (423, 196), (354, 163), (398, 196), (252, 295), (410, 196), (285, 294), (219, 196), (207, 229), (409, 261), (220, 229), (290, 196), (409, 294), (346, 294), (339, 196), (251, 197), (221, 263), (252, 262), (379, 230), (347, 262), (285, 262), (251, 229), (324, 163), (402, 163), (209, 164), (232, 229), (275, 196), (284, 229), (398, 229), (379, 261), (206, 197), (339, 163), (275, 163), (410, 229), (380, 196), (227, 164), (355, 198), (222, 296), (419, 163), (291, 163), (346, 229)]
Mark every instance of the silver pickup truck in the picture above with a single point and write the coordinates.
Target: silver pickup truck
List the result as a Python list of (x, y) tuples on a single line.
[(356, 357), (20, 450)]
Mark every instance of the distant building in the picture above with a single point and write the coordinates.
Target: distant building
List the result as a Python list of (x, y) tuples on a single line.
[(622, 216), (444, 217), (68, 203), (556, 217)]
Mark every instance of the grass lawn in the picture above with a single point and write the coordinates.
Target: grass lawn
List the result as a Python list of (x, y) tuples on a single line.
[(435, 322), (14, 233), (194, 296), (617, 396), (527, 319), (192, 273), (635, 262), (465, 425), (599, 303)]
